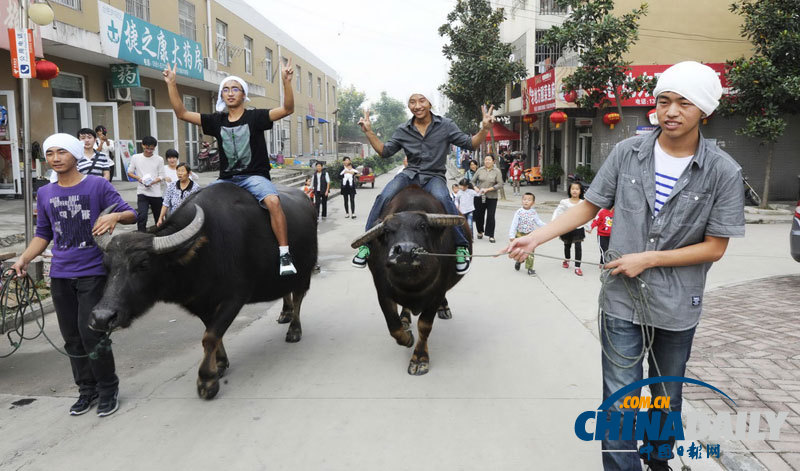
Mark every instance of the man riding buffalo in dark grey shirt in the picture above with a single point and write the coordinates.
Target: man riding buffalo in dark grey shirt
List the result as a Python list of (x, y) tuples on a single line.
[(426, 140)]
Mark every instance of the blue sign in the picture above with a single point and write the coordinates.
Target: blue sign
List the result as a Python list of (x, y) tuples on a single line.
[(126, 37)]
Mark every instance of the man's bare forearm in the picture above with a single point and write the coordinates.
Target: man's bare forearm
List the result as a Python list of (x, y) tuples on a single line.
[(479, 138), (375, 142), (35, 248)]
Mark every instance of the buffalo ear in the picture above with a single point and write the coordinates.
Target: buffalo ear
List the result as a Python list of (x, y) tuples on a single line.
[(444, 220)]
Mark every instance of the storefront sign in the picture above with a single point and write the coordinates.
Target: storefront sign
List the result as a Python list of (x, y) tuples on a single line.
[(22, 55), (583, 122), (643, 98), (10, 15), (126, 37), (544, 92), (124, 75)]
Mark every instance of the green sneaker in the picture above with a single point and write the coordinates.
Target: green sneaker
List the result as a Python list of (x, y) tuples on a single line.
[(360, 260), (462, 260)]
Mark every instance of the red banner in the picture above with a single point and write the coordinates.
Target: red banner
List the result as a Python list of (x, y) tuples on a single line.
[(539, 93), (654, 71)]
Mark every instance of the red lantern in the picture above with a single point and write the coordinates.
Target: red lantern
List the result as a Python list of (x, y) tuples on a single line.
[(652, 117), (558, 117), (570, 96), (611, 119), (530, 118), (46, 71)]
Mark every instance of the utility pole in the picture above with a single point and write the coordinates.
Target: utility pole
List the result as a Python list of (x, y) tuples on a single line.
[(25, 91)]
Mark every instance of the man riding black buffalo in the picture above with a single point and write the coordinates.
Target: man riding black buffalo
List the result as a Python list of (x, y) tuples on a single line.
[(426, 140)]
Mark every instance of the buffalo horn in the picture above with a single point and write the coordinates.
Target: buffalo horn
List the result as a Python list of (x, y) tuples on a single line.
[(173, 241), (444, 220), (104, 239), (374, 232)]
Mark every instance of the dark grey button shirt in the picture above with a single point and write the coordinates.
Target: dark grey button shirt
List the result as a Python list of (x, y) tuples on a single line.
[(427, 156), (707, 200)]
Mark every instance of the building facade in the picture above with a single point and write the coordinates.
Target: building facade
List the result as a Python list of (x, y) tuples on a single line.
[(671, 32), (207, 39)]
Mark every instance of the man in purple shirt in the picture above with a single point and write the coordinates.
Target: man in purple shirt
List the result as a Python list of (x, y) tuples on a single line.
[(69, 215)]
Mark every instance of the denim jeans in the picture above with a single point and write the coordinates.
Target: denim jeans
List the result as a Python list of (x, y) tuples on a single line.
[(435, 186), (671, 351)]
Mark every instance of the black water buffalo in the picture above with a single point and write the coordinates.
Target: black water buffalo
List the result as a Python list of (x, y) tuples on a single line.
[(413, 223), (215, 254)]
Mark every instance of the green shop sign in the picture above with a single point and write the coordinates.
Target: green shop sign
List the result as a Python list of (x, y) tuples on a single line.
[(124, 75), (126, 37)]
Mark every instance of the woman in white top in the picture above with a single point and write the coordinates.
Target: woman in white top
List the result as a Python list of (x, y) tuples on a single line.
[(105, 145), (577, 235), (349, 175)]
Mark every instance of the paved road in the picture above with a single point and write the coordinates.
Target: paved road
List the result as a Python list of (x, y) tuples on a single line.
[(509, 374)]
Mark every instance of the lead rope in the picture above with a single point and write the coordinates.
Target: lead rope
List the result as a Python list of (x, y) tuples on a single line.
[(18, 297)]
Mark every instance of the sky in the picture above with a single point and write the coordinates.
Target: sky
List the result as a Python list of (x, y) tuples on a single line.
[(375, 45)]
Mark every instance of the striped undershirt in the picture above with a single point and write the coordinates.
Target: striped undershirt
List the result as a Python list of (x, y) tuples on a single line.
[(668, 170)]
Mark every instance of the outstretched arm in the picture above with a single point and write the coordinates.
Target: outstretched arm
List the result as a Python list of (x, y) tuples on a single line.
[(175, 98), (288, 94), (366, 127), (486, 124)]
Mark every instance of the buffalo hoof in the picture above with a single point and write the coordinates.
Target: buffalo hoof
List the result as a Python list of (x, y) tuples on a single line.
[(405, 320), (285, 317), (294, 335), (444, 313), (207, 389), (418, 367)]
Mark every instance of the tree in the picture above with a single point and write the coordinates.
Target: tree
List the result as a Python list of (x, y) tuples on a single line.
[(390, 113), (463, 118), (350, 101), (766, 86), (601, 40), (480, 65)]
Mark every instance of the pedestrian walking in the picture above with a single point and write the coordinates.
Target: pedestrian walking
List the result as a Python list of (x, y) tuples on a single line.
[(348, 191), (92, 162), (515, 175), (321, 183), (178, 191), (525, 220), (472, 167), (679, 198), (147, 168), (603, 223), (69, 216), (308, 189), (426, 139), (243, 155), (575, 236), (465, 201), (106, 146), (488, 181)]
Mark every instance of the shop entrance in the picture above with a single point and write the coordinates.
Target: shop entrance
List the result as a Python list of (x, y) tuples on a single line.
[(9, 148)]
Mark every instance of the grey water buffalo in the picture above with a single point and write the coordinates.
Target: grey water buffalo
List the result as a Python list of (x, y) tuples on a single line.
[(215, 254), (411, 227)]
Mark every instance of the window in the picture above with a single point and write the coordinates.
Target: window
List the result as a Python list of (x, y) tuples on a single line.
[(319, 88), (546, 56), (299, 80), (222, 43), (138, 8), (186, 20), (141, 96), (334, 96), (74, 4), (67, 86), (248, 55), (310, 85), (268, 61), (551, 7)]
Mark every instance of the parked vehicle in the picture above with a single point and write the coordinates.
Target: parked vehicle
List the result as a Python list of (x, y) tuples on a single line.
[(794, 234), (750, 195), (208, 158), (366, 175)]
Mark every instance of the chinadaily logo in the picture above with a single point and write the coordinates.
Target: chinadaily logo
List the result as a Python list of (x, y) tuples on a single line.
[(631, 421)]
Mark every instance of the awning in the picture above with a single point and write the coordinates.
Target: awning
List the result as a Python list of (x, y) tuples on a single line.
[(322, 120), (501, 133), (309, 117)]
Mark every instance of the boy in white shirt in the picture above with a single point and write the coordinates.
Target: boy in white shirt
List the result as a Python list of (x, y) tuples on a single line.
[(148, 169), (526, 219)]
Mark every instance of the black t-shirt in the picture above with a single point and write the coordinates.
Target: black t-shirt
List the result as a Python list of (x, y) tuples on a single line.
[(241, 144)]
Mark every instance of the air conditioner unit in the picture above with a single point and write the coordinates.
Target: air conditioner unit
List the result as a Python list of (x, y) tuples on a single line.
[(117, 94)]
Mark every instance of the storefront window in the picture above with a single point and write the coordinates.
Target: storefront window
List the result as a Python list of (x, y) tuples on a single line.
[(141, 96), (67, 86)]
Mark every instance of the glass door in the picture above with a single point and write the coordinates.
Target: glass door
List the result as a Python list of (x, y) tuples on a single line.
[(584, 156), (9, 154), (166, 131), (144, 124), (70, 115), (105, 113)]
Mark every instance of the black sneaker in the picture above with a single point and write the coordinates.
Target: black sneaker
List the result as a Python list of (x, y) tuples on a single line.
[(108, 405), (517, 265), (84, 403), (531, 272), (287, 267)]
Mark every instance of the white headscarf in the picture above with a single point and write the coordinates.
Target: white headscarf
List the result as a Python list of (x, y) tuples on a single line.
[(694, 81), (220, 102), (428, 94), (64, 141)]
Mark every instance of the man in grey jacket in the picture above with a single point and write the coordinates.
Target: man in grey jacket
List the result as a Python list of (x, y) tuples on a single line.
[(678, 199), (426, 140)]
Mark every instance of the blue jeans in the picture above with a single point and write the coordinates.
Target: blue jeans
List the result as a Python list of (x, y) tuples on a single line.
[(435, 186), (671, 351)]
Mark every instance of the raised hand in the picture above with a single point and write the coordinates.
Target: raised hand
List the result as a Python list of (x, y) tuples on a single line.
[(488, 118), (169, 74), (365, 123), (288, 71)]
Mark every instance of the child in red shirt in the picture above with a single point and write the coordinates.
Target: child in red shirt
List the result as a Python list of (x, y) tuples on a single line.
[(603, 223)]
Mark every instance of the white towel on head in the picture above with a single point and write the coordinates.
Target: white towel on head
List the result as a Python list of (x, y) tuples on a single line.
[(220, 102), (64, 141), (427, 92), (694, 81)]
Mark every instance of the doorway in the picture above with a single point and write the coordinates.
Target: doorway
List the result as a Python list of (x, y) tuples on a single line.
[(70, 115), (106, 113), (9, 154), (584, 150), (144, 124)]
